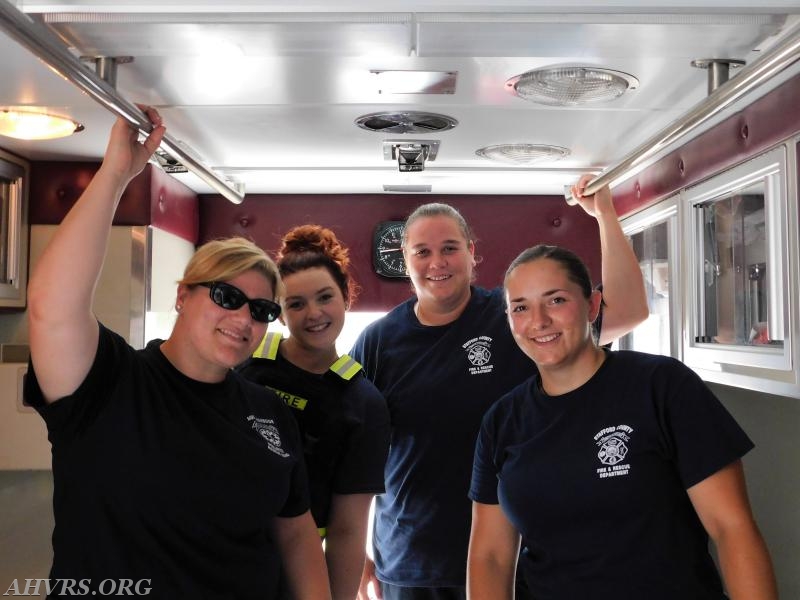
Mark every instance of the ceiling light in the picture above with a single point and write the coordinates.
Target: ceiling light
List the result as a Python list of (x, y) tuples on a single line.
[(571, 86), (416, 82), (523, 154), (31, 125)]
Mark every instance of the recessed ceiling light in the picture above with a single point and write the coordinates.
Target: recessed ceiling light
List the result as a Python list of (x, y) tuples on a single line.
[(571, 86), (31, 125), (523, 154), (415, 82)]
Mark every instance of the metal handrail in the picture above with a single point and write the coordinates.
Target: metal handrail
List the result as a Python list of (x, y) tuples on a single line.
[(773, 61), (52, 52)]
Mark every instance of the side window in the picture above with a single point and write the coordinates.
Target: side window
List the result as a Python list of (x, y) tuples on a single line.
[(652, 235)]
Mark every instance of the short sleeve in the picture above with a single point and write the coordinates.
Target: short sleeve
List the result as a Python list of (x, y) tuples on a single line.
[(76, 411), (703, 435), (483, 487), (361, 469)]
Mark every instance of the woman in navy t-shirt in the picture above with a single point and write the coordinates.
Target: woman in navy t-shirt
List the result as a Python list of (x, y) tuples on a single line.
[(441, 359), (614, 468)]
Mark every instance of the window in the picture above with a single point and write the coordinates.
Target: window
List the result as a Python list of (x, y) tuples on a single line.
[(738, 291), (653, 236)]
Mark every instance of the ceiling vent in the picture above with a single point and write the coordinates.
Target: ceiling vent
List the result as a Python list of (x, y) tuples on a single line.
[(571, 86), (406, 122), (407, 188), (523, 154)]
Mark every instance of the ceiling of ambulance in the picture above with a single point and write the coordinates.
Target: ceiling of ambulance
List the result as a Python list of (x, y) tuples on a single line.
[(269, 95)]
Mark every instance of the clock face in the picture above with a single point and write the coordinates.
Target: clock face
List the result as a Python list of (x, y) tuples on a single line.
[(387, 251)]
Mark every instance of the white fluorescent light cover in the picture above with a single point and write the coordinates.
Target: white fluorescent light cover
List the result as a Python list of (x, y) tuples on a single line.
[(415, 82), (32, 125)]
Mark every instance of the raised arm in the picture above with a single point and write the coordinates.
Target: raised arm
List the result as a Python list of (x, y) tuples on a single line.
[(493, 553), (63, 330), (623, 285), (722, 505)]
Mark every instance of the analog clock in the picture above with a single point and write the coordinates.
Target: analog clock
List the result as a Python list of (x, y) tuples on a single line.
[(387, 250)]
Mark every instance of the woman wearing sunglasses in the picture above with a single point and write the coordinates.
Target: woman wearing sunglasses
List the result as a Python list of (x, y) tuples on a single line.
[(173, 475), (615, 467), (343, 418)]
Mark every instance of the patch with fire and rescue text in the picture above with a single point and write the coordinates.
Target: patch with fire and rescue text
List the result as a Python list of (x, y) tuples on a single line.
[(479, 354), (613, 444)]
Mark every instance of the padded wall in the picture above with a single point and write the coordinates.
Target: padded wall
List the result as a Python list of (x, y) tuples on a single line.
[(504, 226), (152, 197), (770, 119)]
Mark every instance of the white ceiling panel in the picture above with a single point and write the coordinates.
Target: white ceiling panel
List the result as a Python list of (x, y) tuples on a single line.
[(267, 93)]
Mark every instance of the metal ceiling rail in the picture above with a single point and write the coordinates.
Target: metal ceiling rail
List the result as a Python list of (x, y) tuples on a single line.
[(52, 52), (773, 61)]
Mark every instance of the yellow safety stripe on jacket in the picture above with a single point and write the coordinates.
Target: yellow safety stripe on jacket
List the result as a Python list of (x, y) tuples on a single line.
[(268, 348), (323, 531), (346, 367)]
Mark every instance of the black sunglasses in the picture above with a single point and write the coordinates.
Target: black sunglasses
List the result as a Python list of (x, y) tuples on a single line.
[(230, 297)]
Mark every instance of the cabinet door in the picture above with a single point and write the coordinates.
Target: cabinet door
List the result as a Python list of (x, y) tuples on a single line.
[(13, 231)]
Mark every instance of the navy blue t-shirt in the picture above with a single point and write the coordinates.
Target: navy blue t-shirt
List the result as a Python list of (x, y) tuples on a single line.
[(438, 382), (163, 478), (595, 480)]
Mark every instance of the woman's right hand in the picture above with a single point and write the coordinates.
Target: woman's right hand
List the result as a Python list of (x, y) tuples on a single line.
[(370, 587), (125, 156)]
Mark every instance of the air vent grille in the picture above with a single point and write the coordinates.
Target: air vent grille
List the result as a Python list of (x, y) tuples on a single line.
[(407, 188), (406, 122)]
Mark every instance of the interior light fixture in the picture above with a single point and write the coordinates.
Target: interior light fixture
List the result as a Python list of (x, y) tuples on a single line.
[(33, 125), (571, 86), (523, 154), (415, 82)]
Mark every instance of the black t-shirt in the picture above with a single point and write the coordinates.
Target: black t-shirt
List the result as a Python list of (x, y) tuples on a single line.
[(162, 478), (343, 421), (595, 480)]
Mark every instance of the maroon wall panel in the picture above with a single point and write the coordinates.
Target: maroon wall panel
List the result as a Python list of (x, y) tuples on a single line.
[(504, 226), (56, 186), (151, 198), (770, 119), (173, 206)]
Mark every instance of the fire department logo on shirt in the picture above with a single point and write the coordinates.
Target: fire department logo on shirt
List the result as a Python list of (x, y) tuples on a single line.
[(613, 445), (479, 354), (266, 428)]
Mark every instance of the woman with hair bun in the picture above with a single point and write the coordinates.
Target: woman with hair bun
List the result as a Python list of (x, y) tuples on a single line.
[(342, 417)]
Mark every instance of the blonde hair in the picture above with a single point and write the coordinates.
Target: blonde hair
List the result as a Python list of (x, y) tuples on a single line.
[(224, 259)]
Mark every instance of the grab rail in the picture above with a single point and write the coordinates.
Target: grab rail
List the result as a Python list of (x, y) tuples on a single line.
[(52, 52)]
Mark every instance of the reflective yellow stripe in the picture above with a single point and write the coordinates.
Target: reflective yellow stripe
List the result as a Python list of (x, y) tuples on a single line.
[(268, 348), (323, 531), (346, 367)]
